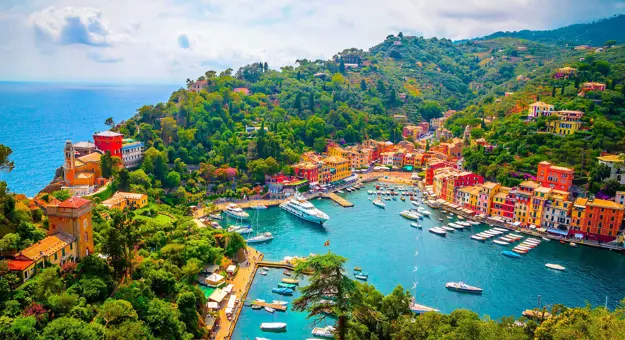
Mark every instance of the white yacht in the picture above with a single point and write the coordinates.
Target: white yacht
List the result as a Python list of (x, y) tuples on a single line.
[(303, 209), (235, 211)]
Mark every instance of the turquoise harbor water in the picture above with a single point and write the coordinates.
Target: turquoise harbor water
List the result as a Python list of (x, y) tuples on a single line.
[(37, 118), (384, 244)]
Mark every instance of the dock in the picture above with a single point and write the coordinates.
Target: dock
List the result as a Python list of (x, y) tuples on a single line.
[(338, 199), (270, 264), (272, 305)]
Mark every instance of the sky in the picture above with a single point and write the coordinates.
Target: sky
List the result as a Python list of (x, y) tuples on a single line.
[(168, 41)]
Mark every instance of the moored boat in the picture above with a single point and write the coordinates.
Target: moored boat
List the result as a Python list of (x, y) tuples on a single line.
[(416, 225), (287, 285), (463, 287), (510, 254), (446, 228), (235, 211), (287, 280), (554, 266), (478, 238), (501, 243), (361, 276), (266, 236), (305, 210), (573, 244), (324, 332), (438, 231), (378, 203), (282, 291), (409, 214), (269, 309), (273, 326)]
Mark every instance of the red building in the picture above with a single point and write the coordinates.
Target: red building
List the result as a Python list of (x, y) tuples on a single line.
[(307, 170), (596, 219), (429, 171), (109, 141), (555, 177)]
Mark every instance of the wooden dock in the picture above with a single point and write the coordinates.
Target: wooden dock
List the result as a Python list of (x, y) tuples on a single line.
[(272, 305), (338, 199), (270, 264)]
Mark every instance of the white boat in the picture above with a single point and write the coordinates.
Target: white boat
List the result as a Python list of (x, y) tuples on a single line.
[(415, 203), (425, 212), (269, 309), (438, 231), (474, 222), (502, 243), (456, 226), (235, 211), (273, 326), (215, 216), (464, 224), (420, 309), (478, 238), (573, 244), (369, 192), (378, 203), (415, 225), (324, 332), (259, 338), (546, 239), (340, 191), (440, 219), (305, 210), (446, 228), (263, 272), (266, 236), (463, 287), (279, 302), (259, 207), (501, 229), (239, 229), (554, 266)]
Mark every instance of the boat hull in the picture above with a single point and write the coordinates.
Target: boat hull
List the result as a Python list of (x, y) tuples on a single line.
[(305, 217), (238, 217)]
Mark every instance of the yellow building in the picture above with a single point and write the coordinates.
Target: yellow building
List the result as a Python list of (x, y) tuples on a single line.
[(562, 127), (73, 217), (115, 202), (537, 205), (467, 197), (336, 151), (523, 201), (338, 167), (81, 171), (121, 200)]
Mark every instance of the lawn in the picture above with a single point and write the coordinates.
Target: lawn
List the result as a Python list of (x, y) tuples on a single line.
[(159, 218)]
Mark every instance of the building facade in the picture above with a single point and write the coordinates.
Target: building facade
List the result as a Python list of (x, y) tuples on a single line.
[(132, 153), (616, 165), (555, 177), (109, 141)]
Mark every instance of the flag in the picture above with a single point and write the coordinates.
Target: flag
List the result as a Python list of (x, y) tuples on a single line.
[(327, 244)]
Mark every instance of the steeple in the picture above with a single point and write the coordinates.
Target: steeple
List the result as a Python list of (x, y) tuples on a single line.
[(69, 167)]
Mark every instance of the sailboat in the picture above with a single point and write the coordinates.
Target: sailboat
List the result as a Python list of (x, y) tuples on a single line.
[(414, 306), (260, 237), (378, 202)]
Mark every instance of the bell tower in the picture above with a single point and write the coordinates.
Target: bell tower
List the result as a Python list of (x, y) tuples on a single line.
[(69, 167)]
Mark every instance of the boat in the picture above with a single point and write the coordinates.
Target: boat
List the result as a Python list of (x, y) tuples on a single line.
[(425, 212), (235, 211), (266, 236), (259, 338), (438, 231), (287, 285), (262, 272), (501, 229), (402, 198), (378, 203), (554, 266), (269, 309), (416, 225), (324, 332), (357, 269), (257, 307), (501, 243), (409, 214), (440, 219), (510, 254), (394, 198), (272, 326), (215, 216), (519, 251), (240, 229), (280, 302), (415, 203), (282, 291), (287, 280), (463, 287), (533, 314), (305, 210), (340, 192), (259, 207), (287, 272), (456, 226), (464, 224), (448, 228), (387, 198), (478, 238), (546, 239), (361, 276), (420, 309), (573, 244)]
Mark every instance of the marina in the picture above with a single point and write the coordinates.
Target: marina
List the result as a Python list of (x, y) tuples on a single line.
[(509, 285)]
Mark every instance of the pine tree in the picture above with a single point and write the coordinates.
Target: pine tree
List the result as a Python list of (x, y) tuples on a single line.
[(299, 75), (298, 102), (311, 102), (577, 83), (553, 92), (342, 66), (363, 85), (266, 67), (562, 91)]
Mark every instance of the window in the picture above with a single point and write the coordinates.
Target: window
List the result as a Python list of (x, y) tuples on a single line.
[(56, 256), (63, 252), (87, 236), (71, 246)]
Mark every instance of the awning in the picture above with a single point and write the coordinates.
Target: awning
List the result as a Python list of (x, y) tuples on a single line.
[(231, 269), (542, 230), (212, 305), (408, 167), (214, 277), (232, 301), (579, 236), (557, 231), (532, 226), (228, 288), (517, 223), (218, 295)]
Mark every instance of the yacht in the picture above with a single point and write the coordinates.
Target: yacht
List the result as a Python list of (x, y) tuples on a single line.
[(305, 210), (235, 211), (266, 236), (411, 215), (378, 203), (463, 287), (324, 332)]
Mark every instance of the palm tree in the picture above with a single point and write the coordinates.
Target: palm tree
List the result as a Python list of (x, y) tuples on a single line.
[(327, 282)]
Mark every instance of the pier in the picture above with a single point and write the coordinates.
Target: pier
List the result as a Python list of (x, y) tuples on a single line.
[(275, 306), (270, 264), (338, 199)]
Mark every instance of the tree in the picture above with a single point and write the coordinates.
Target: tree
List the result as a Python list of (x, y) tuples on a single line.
[(118, 241), (298, 102), (163, 320), (319, 144), (93, 289), (602, 67), (341, 66), (553, 91), (109, 122), (327, 280), (311, 102), (67, 328), (363, 85), (431, 109), (48, 282), (106, 164), (5, 163), (609, 43)]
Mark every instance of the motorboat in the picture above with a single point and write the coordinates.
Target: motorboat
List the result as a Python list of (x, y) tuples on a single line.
[(263, 272), (554, 266), (340, 192), (357, 269), (510, 254), (280, 302), (387, 198), (235, 211), (272, 326), (282, 291), (573, 244), (463, 287), (305, 210), (501, 243), (378, 203), (440, 219), (266, 236), (287, 280), (324, 332), (287, 272), (464, 224), (402, 198), (259, 338), (415, 203), (519, 251), (259, 207), (478, 238), (256, 307), (287, 285), (420, 309), (438, 231), (546, 239), (501, 229), (240, 229), (455, 226), (416, 225), (450, 229), (409, 214), (215, 216), (269, 309), (361, 276)]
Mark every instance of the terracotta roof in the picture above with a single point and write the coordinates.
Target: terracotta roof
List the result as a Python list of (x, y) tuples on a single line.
[(19, 265), (48, 246), (530, 184), (334, 159), (611, 159), (540, 104), (131, 195), (74, 202), (92, 157), (604, 204), (489, 185), (113, 201), (107, 134)]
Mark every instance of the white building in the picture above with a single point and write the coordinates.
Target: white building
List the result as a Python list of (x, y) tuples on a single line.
[(616, 165), (132, 153)]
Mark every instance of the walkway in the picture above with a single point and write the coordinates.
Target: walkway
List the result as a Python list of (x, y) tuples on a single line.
[(338, 199)]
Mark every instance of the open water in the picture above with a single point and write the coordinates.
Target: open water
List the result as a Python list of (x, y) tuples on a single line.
[(37, 118), (384, 245)]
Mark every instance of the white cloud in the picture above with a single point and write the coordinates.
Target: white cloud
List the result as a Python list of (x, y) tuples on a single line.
[(171, 40)]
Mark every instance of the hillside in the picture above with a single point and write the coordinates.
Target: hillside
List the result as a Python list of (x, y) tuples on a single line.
[(593, 34)]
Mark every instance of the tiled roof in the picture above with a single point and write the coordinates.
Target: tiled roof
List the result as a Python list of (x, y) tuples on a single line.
[(611, 159), (19, 265), (90, 158), (530, 184), (131, 195), (74, 202), (84, 145), (604, 204), (113, 201), (48, 246)]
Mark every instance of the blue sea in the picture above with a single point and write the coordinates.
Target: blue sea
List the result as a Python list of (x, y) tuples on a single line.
[(384, 245), (37, 118)]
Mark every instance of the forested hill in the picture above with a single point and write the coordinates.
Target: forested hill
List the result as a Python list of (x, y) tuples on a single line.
[(594, 34)]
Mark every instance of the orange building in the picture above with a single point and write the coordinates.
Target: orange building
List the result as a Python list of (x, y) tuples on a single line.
[(73, 217), (555, 177), (81, 171), (596, 219)]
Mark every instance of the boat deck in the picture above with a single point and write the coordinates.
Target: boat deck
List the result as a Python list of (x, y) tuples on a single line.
[(272, 305), (338, 199)]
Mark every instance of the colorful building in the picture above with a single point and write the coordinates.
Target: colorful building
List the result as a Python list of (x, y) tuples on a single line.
[(109, 141), (596, 219), (565, 72), (555, 177), (338, 167), (523, 196), (132, 153), (73, 217), (503, 203), (433, 166), (615, 163), (593, 86), (468, 198), (557, 214), (563, 128), (540, 109), (308, 171), (121, 199), (82, 171), (485, 197), (197, 86)]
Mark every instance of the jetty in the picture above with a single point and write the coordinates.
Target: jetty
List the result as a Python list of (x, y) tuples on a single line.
[(338, 199), (270, 264), (275, 306)]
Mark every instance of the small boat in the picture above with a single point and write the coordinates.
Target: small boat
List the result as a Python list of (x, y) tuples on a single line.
[(415, 203), (562, 241), (448, 228), (546, 239), (501, 229), (387, 198), (357, 269), (259, 207), (262, 272), (510, 254), (394, 198), (478, 238), (287, 280), (501, 243), (554, 266), (273, 326), (280, 302), (439, 219), (287, 272), (378, 203), (340, 192), (324, 332), (282, 291), (460, 217), (269, 309), (287, 285), (438, 231), (215, 216), (402, 198), (573, 244), (416, 225), (463, 287), (420, 309), (257, 307), (266, 236), (519, 251), (361, 276), (409, 214), (259, 338)]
